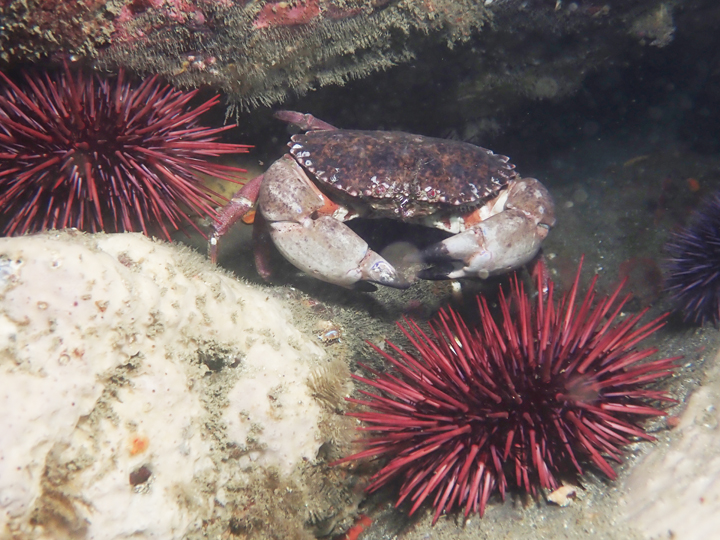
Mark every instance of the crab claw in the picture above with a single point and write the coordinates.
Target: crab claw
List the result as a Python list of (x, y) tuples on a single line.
[(302, 227), (506, 240), (329, 250)]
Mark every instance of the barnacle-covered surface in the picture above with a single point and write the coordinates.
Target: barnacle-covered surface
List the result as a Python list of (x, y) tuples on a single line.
[(262, 52), (35, 29)]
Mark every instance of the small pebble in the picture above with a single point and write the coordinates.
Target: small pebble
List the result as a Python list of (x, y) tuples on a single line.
[(140, 476), (563, 495)]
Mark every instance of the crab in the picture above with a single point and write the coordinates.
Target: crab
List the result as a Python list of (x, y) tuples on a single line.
[(498, 220)]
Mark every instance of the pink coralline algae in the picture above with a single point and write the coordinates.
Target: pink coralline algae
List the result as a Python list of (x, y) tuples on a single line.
[(140, 18), (277, 14), (287, 14)]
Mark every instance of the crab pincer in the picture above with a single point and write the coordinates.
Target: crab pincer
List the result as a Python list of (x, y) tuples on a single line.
[(509, 238), (303, 228)]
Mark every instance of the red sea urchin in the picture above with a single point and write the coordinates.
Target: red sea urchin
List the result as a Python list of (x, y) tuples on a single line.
[(533, 397), (83, 151), (693, 268)]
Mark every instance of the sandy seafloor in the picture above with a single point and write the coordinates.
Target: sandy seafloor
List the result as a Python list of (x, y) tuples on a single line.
[(618, 196)]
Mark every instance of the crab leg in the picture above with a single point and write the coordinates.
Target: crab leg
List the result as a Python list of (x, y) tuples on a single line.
[(301, 225), (306, 122), (244, 200), (511, 237), (240, 204)]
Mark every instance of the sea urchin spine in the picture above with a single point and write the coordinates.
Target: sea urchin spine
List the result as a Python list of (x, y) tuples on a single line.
[(531, 397), (77, 151), (693, 269)]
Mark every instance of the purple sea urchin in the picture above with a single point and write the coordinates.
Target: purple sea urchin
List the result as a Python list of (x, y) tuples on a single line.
[(102, 155), (693, 267), (518, 401)]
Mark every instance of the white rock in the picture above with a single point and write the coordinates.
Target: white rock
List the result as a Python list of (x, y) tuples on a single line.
[(111, 426), (675, 491)]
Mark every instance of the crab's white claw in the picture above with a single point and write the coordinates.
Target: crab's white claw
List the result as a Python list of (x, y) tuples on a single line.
[(314, 242), (329, 250), (500, 243)]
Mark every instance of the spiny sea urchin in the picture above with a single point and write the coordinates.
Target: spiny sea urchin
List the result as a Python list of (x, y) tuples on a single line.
[(693, 267), (523, 400), (84, 151)]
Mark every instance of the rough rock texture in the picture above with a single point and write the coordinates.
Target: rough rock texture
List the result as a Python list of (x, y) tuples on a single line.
[(262, 52), (147, 395), (674, 493), (34, 29)]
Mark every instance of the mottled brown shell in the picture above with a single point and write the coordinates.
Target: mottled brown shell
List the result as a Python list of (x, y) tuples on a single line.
[(402, 173)]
